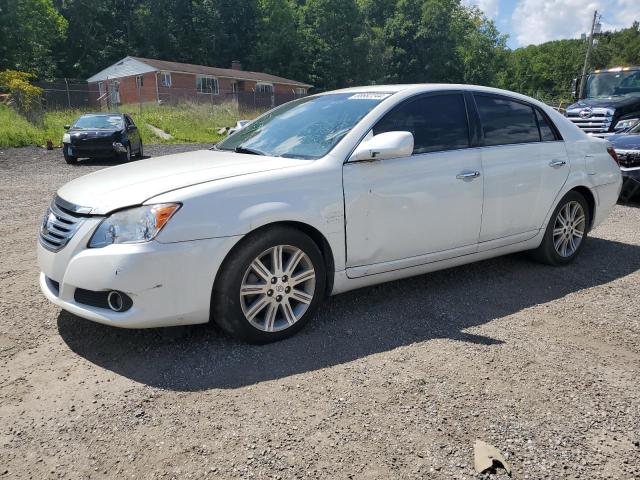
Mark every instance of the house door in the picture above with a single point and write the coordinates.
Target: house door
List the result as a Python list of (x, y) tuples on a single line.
[(114, 92)]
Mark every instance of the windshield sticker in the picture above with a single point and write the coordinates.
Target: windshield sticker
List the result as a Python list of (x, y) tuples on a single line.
[(369, 96)]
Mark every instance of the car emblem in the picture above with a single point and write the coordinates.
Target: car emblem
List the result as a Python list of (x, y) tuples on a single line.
[(585, 113)]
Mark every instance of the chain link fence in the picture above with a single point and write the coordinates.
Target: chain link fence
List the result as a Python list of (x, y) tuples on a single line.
[(111, 95)]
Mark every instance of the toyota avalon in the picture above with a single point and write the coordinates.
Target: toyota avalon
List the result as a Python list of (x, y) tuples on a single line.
[(322, 195)]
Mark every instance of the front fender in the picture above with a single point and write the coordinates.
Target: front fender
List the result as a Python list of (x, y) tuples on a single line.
[(235, 207)]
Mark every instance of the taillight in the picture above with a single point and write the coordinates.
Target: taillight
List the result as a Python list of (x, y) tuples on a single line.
[(614, 155)]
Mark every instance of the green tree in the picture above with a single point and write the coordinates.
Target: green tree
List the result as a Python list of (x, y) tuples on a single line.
[(28, 31), (482, 49), (279, 43), (423, 39), (333, 45)]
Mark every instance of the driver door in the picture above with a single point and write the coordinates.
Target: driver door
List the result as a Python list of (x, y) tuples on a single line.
[(403, 212)]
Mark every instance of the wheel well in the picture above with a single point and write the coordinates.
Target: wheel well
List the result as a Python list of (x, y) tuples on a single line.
[(591, 201), (317, 237)]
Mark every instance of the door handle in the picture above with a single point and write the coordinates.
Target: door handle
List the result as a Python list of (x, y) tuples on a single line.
[(557, 163), (467, 175)]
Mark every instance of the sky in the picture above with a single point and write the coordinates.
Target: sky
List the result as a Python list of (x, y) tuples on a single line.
[(537, 21)]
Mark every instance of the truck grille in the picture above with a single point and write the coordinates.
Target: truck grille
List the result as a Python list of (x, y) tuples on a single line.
[(628, 158), (589, 120), (61, 221)]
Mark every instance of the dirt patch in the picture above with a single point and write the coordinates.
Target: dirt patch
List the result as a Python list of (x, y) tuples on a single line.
[(393, 381)]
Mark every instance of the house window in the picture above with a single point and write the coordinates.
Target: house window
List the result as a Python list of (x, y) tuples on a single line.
[(165, 79), (301, 91), (264, 88), (101, 90), (205, 84), (139, 81), (234, 87)]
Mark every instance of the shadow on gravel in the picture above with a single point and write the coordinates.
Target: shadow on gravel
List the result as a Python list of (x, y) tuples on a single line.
[(103, 162), (351, 325)]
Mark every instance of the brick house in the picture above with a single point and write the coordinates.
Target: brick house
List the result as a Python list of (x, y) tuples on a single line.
[(136, 80)]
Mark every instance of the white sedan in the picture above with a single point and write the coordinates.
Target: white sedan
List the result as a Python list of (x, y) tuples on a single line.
[(319, 196)]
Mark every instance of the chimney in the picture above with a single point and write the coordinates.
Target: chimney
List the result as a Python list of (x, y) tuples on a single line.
[(236, 65)]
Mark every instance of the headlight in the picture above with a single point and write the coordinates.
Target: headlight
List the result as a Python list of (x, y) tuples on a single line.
[(66, 138), (135, 225), (626, 123)]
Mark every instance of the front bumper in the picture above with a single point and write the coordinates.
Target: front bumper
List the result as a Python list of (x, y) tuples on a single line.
[(170, 283), (94, 149)]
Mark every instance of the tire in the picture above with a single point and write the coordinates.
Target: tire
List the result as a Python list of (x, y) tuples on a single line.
[(562, 243), (126, 156), (140, 153), (272, 306), (70, 159)]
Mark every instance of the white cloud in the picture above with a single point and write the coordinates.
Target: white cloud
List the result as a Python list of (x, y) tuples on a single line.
[(538, 21), (489, 7)]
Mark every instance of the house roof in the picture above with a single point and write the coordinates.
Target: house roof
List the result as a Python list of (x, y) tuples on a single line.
[(129, 66)]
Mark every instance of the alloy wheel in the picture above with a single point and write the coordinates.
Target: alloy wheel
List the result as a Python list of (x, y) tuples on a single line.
[(277, 288), (569, 228)]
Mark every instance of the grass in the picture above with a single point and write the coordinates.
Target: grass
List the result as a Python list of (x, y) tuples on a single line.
[(187, 123)]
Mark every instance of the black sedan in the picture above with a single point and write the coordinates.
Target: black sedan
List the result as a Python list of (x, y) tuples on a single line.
[(627, 146), (102, 135)]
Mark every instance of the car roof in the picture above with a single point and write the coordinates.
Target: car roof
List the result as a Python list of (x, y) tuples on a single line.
[(102, 114), (422, 87)]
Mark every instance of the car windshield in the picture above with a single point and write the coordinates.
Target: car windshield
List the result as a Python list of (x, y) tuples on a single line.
[(307, 128), (607, 84), (99, 122)]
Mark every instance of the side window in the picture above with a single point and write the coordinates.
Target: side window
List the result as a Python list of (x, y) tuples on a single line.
[(506, 121), (437, 122), (546, 132)]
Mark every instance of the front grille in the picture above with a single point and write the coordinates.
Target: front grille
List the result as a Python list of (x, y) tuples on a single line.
[(628, 158), (61, 221), (597, 122)]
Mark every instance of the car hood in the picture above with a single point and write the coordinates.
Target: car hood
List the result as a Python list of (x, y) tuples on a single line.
[(610, 102), (626, 142), (134, 183)]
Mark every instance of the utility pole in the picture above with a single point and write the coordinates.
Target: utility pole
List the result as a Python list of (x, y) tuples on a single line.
[(583, 80)]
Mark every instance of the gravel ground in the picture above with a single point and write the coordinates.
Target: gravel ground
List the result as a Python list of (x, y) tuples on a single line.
[(394, 381)]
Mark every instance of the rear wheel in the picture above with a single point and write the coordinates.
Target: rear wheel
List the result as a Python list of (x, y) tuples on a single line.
[(270, 286), (566, 232)]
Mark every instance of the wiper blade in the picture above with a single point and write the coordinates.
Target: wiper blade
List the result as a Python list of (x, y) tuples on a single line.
[(251, 151)]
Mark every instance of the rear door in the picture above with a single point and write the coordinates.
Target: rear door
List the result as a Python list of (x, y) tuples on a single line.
[(412, 210), (525, 165)]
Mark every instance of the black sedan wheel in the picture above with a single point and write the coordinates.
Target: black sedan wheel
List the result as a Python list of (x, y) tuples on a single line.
[(140, 151), (70, 159), (126, 156)]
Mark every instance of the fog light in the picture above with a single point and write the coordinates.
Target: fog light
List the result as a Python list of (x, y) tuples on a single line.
[(118, 301)]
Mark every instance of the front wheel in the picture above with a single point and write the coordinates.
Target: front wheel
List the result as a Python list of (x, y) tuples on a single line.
[(140, 151), (270, 286), (126, 156), (70, 159), (566, 232)]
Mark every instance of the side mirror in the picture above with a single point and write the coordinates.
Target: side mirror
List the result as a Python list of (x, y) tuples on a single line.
[(67, 127), (575, 85), (385, 145)]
